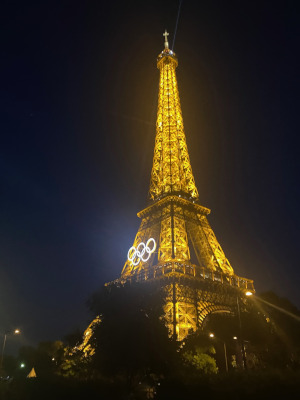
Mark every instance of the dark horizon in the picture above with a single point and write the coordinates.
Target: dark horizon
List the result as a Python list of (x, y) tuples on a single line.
[(79, 96)]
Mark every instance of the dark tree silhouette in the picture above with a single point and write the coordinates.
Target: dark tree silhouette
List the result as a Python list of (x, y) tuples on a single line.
[(132, 339)]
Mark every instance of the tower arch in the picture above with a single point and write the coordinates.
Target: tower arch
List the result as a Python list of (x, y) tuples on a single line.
[(178, 225)]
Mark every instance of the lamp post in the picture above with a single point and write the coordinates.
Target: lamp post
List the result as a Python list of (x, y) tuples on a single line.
[(16, 332), (248, 293), (225, 349)]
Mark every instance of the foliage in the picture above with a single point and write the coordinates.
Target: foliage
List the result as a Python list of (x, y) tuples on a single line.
[(201, 361), (197, 354), (283, 315), (271, 337), (237, 385), (264, 385), (45, 358), (272, 330), (132, 345), (58, 388), (74, 365), (9, 366), (132, 339), (73, 338)]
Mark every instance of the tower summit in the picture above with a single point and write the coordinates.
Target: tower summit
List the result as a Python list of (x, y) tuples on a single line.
[(166, 40), (171, 171), (175, 245)]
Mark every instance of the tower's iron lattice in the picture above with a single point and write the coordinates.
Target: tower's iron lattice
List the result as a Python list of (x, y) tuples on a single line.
[(188, 259)]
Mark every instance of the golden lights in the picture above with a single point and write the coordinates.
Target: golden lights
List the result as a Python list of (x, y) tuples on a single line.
[(171, 171), (177, 223)]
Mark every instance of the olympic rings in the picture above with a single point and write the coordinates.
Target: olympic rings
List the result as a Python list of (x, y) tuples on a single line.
[(142, 252)]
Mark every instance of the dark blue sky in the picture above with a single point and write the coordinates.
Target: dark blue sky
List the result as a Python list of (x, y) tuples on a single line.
[(78, 99)]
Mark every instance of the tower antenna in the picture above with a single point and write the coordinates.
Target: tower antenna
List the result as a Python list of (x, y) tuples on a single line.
[(179, 8)]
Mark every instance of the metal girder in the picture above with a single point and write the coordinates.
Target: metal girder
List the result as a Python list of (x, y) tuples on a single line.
[(171, 171), (179, 225)]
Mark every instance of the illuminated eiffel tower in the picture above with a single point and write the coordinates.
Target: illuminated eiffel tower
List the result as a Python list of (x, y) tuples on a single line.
[(175, 243)]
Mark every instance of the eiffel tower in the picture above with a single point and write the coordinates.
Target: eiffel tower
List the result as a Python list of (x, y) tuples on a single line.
[(175, 244)]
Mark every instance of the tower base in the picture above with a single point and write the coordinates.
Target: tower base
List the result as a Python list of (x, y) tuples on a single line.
[(192, 293)]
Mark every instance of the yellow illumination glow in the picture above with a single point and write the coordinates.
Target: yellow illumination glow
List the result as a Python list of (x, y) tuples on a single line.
[(171, 171), (179, 225)]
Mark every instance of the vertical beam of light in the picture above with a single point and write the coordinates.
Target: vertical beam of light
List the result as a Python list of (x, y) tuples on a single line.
[(179, 8)]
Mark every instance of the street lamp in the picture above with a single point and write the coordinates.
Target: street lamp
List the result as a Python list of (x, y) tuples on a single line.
[(248, 294), (16, 332), (225, 349)]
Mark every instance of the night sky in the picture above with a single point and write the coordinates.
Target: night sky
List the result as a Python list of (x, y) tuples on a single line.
[(79, 89)]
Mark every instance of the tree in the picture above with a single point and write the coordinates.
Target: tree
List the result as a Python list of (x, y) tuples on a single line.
[(73, 338), (10, 365), (271, 335), (75, 365), (200, 360), (283, 343), (132, 340), (197, 354), (45, 358)]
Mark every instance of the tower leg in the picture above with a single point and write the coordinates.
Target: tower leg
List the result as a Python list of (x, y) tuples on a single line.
[(174, 311)]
